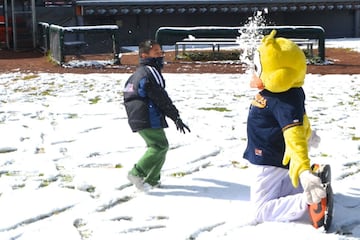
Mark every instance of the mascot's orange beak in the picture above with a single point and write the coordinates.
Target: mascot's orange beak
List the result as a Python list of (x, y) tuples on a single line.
[(256, 82)]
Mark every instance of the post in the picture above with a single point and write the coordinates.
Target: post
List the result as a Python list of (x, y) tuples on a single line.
[(33, 13), (13, 25), (357, 23), (6, 24), (321, 47), (61, 42), (116, 46)]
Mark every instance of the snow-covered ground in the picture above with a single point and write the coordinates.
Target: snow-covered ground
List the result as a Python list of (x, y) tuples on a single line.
[(66, 149)]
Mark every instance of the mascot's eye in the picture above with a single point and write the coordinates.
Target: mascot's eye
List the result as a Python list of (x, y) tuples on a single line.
[(257, 64)]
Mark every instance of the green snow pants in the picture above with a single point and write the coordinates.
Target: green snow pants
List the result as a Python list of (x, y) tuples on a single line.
[(150, 164)]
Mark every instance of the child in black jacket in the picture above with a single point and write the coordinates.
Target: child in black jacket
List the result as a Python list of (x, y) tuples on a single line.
[(147, 104)]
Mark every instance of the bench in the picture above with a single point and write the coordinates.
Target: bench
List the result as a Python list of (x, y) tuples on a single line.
[(173, 35), (215, 43), (77, 46), (74, 44), (83, 40)]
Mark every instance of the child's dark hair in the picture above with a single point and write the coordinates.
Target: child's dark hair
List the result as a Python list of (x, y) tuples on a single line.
[(146, 46)]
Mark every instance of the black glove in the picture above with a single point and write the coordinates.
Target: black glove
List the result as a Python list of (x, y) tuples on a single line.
[(181, 126)]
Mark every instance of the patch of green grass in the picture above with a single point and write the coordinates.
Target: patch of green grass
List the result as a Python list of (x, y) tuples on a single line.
[(29, 77), (239, 95), (218, 109), (356, 96), (46, 92), (178, 174), (118, 165), (210, 55), (22, 90), (315, 97), (90, 189), (312, 59), (49, 58), (72, 115), (45, 183), (239, 165), (324, 155), (95, 100), (67, 178), (354, 138), (11, 174), (314, 118), (18, 186)]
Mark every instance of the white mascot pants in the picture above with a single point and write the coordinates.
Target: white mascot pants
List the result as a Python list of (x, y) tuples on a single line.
[(274, 197)]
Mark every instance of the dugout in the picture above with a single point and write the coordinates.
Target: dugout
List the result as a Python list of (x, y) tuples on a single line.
[(140, 19), (18, 24)]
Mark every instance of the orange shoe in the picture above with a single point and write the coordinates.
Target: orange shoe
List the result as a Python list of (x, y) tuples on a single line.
[(317, 213), (321, 213)]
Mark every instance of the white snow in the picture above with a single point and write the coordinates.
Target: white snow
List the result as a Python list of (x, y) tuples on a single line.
[(66, 149)]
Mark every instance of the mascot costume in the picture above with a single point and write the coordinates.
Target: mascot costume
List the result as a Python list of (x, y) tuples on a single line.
[(286, 187)]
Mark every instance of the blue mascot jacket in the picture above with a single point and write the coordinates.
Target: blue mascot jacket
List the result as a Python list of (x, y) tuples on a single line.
[(269, 115)]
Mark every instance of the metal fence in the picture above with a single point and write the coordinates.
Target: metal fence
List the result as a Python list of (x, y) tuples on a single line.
[(43, 41)]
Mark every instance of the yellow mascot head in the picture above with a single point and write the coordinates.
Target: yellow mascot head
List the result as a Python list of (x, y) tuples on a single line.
[(280, 64)]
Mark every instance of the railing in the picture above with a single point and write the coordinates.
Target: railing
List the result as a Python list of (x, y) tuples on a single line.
[(43, 40)]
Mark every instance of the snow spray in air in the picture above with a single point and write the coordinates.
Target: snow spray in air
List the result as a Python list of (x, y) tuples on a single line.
[(250, 38)]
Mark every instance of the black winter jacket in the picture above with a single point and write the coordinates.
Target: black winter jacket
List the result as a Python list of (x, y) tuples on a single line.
[(146, 101)]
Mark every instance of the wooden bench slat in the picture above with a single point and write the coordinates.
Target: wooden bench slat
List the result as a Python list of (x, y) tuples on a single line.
[(74, 43)]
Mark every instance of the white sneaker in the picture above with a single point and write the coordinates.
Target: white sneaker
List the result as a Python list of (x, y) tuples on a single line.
[(136, 180), (147, 187)]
